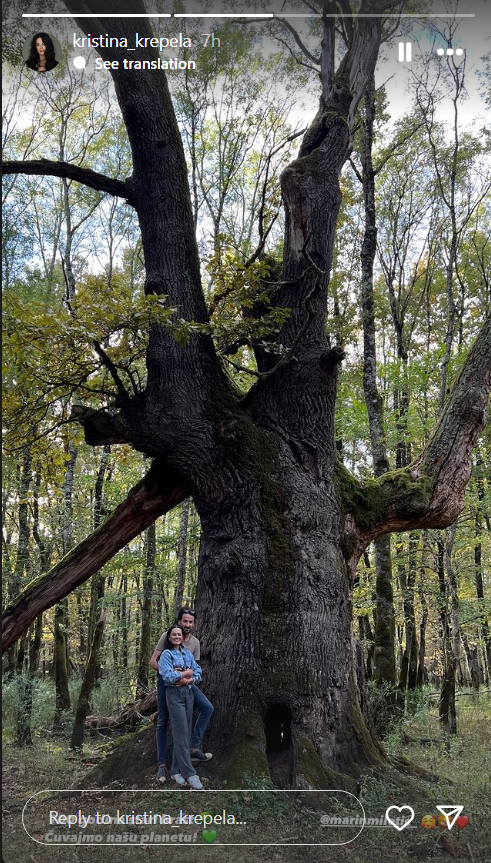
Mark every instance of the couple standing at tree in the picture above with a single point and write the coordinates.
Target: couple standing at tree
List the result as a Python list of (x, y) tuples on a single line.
[(176, 660)]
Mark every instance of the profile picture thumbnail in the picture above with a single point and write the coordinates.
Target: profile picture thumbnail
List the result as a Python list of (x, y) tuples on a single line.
[(41, 52)]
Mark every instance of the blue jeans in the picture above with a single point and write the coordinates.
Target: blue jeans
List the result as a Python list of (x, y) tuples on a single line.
[(205, 709), (180, 707), (201, 703), (162, 720)]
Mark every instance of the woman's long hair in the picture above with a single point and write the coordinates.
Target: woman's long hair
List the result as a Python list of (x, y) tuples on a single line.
[(33, 59)]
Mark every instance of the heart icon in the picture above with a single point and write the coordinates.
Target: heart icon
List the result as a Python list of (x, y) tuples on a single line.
[(462, 821), (209, 835), (400, 809)]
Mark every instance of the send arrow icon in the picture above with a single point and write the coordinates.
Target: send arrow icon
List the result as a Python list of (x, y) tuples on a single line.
[(450, 813)]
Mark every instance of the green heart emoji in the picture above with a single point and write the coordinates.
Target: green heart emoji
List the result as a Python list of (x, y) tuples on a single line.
[(209, 835)]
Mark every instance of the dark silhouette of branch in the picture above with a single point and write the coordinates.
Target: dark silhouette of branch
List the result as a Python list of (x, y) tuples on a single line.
[(92, 179)]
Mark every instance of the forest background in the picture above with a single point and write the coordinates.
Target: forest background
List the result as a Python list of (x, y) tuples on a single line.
[(77, 322)]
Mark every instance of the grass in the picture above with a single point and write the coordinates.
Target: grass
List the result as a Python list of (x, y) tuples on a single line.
[(461, 775)]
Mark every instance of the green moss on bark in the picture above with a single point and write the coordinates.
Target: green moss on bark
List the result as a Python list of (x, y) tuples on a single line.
[(371, 500), (248, 756), (251, 447), (312, 773)]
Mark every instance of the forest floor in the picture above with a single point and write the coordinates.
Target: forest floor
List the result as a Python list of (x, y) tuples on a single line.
[(461, 775)]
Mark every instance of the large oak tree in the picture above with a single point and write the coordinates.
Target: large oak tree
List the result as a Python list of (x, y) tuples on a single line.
[(283, 523)]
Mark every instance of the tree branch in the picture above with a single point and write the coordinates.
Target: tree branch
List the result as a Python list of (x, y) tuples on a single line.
[(100, 426), (158, 492), (92, 179), (429, 493), (303, 48)]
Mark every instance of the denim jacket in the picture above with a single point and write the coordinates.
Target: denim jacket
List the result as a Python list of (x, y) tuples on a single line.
[(172, 662)]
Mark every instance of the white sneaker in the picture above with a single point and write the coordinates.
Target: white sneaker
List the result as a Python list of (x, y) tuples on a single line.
[(179, 779), (195, 783)]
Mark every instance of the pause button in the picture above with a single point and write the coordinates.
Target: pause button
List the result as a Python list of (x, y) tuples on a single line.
[(405, 52)]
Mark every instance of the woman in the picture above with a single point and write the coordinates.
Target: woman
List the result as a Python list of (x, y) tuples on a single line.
[(42, 53), (179, 671)]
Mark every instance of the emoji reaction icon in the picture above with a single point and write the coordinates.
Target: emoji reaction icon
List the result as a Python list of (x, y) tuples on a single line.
[(462, 821), (442, 821), (429, 822)]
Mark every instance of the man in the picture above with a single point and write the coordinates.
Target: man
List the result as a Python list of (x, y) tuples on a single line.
[(186, 618)]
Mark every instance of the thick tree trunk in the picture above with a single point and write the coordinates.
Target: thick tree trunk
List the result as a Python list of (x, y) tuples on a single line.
[(276, 560)]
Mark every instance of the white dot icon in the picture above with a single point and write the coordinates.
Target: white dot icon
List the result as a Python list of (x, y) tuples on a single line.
[(79, 62), (450, 51)]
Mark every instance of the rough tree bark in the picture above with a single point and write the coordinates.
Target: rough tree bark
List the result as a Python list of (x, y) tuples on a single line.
[(282, 524), (384, 655)]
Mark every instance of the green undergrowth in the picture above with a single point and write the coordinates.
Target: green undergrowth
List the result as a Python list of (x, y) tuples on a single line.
[(457, 772)]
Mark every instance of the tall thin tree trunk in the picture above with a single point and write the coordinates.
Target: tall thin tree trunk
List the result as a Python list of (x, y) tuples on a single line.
[(472, 655), (478, 568), (384, 660), (409, 613), (16, 655), (60, 657), (146, 608), (422, 675), (62, 698), (96, 628), (88, 681), (454, 600), (124, 622), (447, 712), (22, 555), (181, 556)]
